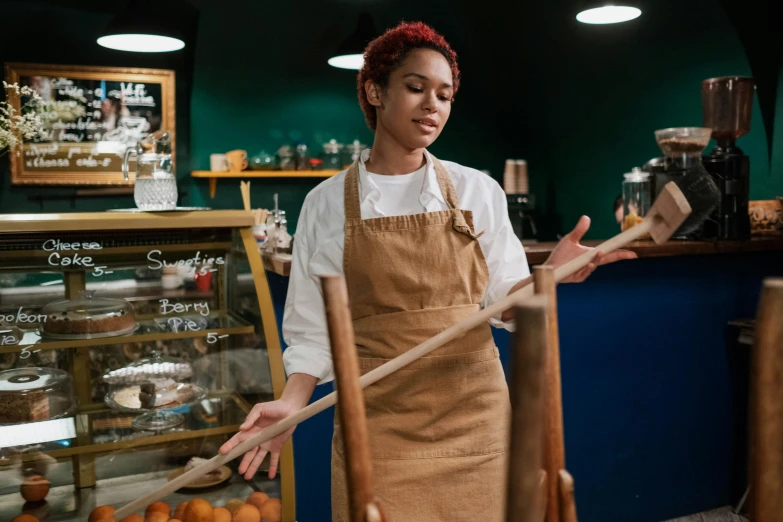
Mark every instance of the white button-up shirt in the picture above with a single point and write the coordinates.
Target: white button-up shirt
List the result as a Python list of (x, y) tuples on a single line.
[(320, 239)]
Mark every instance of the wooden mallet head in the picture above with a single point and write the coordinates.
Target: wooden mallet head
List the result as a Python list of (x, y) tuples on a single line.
[(668, 213)]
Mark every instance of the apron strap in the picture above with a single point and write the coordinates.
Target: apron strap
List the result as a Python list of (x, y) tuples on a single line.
[(353, 208), (446, 186), (351, 191)]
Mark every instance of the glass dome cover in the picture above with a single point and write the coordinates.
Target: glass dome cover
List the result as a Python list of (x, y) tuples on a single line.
[(35, 394), (87, 317), (154, 386)]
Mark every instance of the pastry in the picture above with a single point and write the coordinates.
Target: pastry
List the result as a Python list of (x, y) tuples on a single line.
[(212, 476), (154, 394)]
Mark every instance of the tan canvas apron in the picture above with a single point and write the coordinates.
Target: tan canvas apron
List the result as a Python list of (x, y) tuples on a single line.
[(439, 427)]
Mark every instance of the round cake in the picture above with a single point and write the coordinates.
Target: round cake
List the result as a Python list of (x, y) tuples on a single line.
[(67, 323), (88, 315)]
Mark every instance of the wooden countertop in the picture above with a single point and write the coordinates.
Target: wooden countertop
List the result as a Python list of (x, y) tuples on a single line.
[(537, 253), (77, 221)]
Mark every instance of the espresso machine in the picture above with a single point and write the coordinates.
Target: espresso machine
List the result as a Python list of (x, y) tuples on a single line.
[(727, 103)]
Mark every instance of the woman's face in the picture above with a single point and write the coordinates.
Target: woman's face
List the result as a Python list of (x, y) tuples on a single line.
[(416, 104)]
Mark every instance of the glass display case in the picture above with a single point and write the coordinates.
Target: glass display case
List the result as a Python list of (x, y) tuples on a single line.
[(131, 345)]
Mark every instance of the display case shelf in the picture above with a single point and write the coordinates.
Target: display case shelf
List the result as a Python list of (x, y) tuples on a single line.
[(158, 329)]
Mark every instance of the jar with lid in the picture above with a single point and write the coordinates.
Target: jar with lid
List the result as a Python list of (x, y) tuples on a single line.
[(285, 158), (331, 157), (636, 197), (302, 157), (353, 151)]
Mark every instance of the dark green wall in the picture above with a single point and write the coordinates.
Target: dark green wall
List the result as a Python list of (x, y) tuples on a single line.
[(580, 103)]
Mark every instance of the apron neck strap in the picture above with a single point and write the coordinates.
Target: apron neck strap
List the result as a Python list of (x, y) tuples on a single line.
[(351, 192)]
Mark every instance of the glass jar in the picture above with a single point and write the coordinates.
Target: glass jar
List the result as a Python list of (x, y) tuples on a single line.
[(88, 317), (636, 197), (285, 158), (332, 155), (35, 394), (302, 157), (353, 151)]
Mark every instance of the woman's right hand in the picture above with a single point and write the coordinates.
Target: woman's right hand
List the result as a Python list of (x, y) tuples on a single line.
[(262, 415)]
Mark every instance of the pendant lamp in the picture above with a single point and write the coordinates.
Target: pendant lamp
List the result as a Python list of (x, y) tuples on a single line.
[(350, 54), (143, 27), (608, 12)]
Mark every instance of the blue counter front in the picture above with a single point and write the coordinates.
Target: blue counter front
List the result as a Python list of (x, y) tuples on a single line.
[(654, 388)]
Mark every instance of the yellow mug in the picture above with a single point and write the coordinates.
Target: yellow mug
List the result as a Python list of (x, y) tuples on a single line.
[(237, 160)]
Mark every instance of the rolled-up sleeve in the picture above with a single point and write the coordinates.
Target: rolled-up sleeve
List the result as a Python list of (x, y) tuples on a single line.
[(304, 317), (503, 251)]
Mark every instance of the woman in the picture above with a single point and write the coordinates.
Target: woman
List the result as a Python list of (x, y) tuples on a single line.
[(422, 244)]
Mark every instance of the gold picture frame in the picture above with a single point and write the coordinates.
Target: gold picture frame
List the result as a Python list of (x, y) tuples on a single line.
[(143, 102)]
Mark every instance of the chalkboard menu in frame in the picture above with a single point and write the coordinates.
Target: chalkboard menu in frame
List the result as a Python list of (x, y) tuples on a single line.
[(92, 115)]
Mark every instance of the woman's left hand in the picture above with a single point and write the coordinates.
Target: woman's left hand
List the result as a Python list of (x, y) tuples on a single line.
[(569, 248)]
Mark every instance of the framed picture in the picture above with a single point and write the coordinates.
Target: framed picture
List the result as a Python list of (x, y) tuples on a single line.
[(91, 116)]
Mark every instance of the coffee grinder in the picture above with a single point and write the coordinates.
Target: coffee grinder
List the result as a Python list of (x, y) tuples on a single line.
[(727, 103), (682, 148)]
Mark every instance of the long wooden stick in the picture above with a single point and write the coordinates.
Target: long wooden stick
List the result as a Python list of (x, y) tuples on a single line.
[(527, 412), (766, 408), (457, 330), (554, 445), (353, 421)]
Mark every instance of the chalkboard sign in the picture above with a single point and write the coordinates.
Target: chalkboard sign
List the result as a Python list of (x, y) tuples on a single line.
[(92, 115)]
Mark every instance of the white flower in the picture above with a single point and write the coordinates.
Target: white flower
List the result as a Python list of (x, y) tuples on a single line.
[(25, 124)]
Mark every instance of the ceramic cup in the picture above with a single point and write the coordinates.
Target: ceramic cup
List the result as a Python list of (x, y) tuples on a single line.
[(218, 162), (237, 160)]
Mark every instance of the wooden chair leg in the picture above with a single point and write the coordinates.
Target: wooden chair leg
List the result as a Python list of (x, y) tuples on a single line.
[(353, 420), (527, 417), (554, 443), (766, 408)]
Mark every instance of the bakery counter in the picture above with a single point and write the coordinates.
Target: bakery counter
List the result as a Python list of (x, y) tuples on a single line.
[(537, 253), (130, 345)]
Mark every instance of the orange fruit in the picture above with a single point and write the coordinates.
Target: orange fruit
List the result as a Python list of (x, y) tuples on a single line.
[(234, 504), (198, 510), (100, 513), (221, 515), (179, 513), (157, 516), (272, 510), (25, 518), (133, 518), (257, 499), (35, 488), (158, 507), (247, 513), (174, 520)]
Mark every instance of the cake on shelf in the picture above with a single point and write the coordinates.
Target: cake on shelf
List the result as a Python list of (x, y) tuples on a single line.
[(88, 315), (28, 407), (35, 394)]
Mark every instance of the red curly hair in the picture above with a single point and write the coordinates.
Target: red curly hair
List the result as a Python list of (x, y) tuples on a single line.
[(387, 52)]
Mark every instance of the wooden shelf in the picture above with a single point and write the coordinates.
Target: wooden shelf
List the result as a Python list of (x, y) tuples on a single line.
[(244, 174), (149, 330), (110, 430)]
